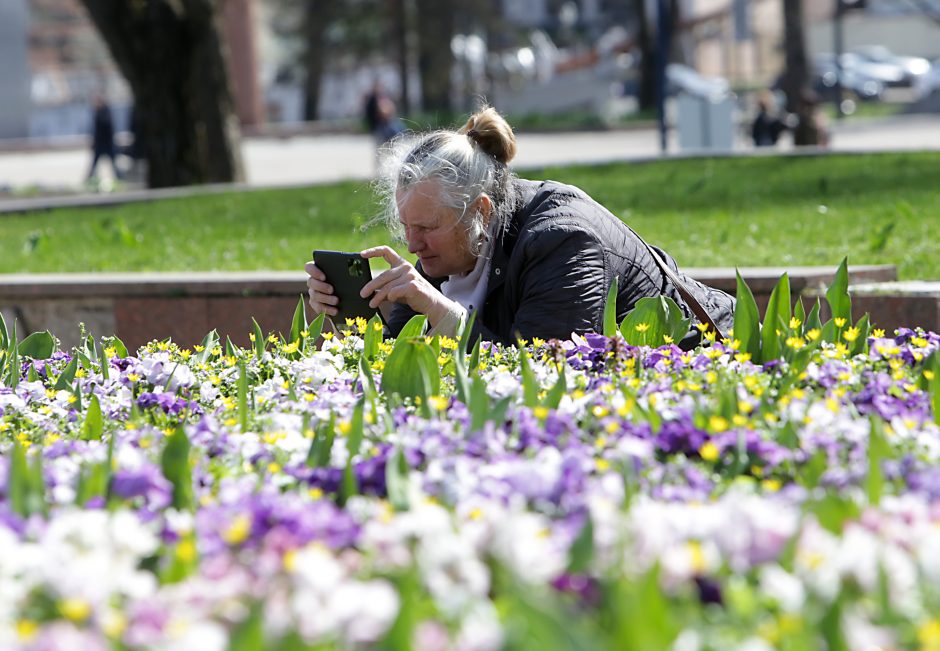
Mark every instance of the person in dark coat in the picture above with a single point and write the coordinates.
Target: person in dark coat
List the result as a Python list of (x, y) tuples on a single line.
[(532, 258), (102, 136), (767, 127)]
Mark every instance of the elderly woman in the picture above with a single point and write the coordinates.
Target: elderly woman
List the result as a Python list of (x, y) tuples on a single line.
[(532, 258)]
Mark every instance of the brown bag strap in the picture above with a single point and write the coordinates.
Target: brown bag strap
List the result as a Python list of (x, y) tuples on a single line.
[(686, 295)]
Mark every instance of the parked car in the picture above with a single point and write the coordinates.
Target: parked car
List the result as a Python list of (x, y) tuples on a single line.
[(855, 81), (909, 68), (928, 83)]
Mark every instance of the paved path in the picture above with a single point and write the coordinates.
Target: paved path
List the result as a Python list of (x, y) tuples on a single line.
[(311, 159)]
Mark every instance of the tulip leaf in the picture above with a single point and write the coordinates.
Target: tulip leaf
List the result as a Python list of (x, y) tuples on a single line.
[(93, 427), (411, 370), (747, 321), (39, 345), (414, 328), (174, 462), (776, 320), (259, 342), (396, 480), (840, 303), (610, 309), (298, 323)]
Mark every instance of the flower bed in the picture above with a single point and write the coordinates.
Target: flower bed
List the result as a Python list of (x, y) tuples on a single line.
[(583, 494)]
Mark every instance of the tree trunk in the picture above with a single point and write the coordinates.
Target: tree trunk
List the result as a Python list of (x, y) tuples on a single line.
[(676, 42), (435, 59), (317, 17), (795, 81), (399, 16), (646, 89), (172, 54)]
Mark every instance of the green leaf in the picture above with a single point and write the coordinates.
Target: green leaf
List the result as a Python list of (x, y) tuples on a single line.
[(299, 322), (800, 313), (315, 328), (321, 447), (118, 345), (209, 342), (104, 363), (13, 356), (833, 511), (372, 338), (878, 451), (18, 483), (356, 429), (654, 321), (93, 427), (39, 345), (860, 345), (610, 309), (776, 317), (747, 321), (249, 634), (840, 303), (474, 364), (931, 375), (479, 404), (174, 461), (558, 390), (415, 327), (466, 328), (4, 335), (812, 319), (259, 339), (530, 385), (581, 552), (411, 370), (396, 480), (349, 487), (242, 395)]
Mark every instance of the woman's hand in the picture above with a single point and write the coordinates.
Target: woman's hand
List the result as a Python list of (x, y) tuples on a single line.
[(322, 298), (403, 284)]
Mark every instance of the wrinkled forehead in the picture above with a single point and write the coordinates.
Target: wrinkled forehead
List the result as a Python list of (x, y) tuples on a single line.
[(425, 198)]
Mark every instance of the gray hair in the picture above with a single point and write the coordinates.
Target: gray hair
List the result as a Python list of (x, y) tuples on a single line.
[(464, 166)]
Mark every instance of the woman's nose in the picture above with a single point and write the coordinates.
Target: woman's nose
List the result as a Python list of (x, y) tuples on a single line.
[(415, 243)]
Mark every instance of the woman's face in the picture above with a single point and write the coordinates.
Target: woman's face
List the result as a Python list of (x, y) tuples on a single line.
[(433, 231)]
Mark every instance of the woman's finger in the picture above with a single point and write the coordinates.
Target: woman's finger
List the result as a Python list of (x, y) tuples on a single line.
[(385, 252), (387, 276), (314, 271)]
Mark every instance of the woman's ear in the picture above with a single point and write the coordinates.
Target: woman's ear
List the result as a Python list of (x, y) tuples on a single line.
[(484, 205)]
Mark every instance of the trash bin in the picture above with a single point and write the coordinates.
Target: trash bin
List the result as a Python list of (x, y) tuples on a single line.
[(706, 123)]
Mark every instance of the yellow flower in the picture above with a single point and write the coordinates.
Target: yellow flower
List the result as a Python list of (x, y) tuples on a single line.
[(851, 334), (795, 323), (26, 629), (878, 332), (709, 451), (717, 423), (641, 327), (75, 609), (186, 550), (238, 531), (839, 321), (438, 403), (540, 412)]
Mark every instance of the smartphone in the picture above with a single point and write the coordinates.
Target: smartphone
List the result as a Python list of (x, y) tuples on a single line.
[(348, 273)]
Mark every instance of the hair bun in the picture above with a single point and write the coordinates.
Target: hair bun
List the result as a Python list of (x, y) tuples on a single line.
[(490, 131)]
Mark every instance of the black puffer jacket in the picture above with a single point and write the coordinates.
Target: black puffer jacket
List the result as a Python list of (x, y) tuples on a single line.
[(554, 264)]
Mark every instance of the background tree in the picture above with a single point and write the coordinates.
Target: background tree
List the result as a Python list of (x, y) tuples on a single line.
[(795, 81), (435, 30), (172, 54)]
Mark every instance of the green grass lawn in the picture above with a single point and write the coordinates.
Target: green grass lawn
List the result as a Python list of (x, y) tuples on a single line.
[(765, 211)]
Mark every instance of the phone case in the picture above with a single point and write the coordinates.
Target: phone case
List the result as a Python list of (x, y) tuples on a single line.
[(348, 273)]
